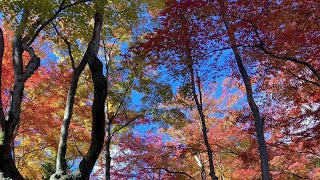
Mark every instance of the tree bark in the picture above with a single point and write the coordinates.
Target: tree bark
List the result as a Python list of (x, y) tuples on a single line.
[(100, 94), (203, 123), (61, 163), (107, 153), (253, 106), (2, 119), (7, 165), (98, 120)]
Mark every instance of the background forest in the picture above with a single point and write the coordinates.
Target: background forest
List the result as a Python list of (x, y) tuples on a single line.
[(156, 89)]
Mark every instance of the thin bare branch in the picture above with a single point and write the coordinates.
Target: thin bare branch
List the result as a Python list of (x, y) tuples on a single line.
[(68, 45), (126, 124), (173, 172)]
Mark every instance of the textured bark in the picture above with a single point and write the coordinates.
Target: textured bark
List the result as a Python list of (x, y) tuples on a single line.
[(253, 106), (203, 123), (98, 120)]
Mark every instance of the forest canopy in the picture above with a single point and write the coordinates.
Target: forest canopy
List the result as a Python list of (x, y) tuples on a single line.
[(161, 89)]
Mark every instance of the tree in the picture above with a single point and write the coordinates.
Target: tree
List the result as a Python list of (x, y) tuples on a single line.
[(180, 44), (181, 90), (22, 41), (259, 124)]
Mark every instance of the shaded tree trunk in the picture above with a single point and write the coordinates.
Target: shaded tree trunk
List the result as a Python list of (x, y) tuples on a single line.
[(98, 120), (98, 107), (7, 165), (107, 153), (253, 106), (203, 122), (2, 119)]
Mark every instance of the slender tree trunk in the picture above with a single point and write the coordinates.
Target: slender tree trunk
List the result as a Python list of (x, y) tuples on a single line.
[(107, 153), (2, 119), (61, 163), (98, 107), (203, 123), (254, 108), (108, 121), (98, 121)]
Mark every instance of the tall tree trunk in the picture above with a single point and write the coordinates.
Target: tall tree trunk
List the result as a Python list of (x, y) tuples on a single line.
[(98, 120), (2, 119), (61, 163), (254, 108), (107, 153), (100, 94), (108, 120), (203, 123), (7, 165)]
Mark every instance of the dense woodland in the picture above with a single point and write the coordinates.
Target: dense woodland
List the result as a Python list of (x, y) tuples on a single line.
[(155, 89)]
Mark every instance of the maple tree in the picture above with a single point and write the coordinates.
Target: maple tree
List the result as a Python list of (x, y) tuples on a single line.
[(173, 89)]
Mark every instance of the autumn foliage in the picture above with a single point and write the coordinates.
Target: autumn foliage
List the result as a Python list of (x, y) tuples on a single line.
[(160, 89)]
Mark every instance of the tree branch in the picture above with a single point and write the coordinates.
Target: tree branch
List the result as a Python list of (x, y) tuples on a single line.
[(173, 172), (48, 21), (126, 124), (68, 45), (294, 75), (279, 56), (33, 64)]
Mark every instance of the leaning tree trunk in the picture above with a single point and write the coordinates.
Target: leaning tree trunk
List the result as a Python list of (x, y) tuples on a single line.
[(100, 94), (7, 165), (254, 108), (61, 163), (98, 120), (203, 123)]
